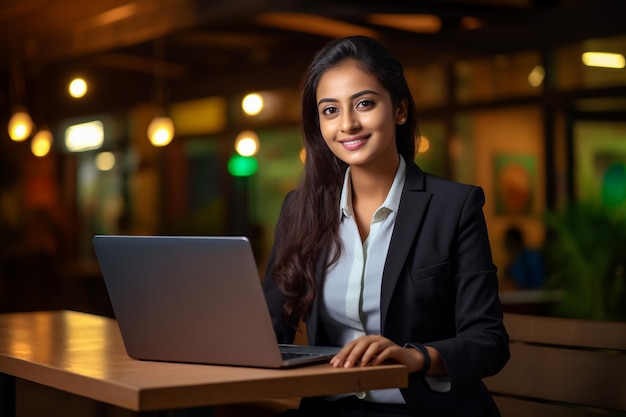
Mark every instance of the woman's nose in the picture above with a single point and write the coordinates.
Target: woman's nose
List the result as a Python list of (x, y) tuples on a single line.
[(349, 122)]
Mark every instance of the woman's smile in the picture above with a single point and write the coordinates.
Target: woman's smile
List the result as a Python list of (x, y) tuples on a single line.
[(352, 144)]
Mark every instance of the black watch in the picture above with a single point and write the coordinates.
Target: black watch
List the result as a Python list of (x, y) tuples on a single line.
[(421, 348)]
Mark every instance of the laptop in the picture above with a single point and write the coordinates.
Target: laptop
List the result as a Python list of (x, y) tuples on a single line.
[(194, 299)]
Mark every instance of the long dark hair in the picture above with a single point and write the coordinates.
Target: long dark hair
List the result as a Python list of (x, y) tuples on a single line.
[(309, 223)]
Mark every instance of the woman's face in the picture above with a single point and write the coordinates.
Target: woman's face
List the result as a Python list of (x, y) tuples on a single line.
[(357, 118)]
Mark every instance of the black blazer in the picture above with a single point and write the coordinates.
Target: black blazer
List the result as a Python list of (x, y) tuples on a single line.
[(439, 287)]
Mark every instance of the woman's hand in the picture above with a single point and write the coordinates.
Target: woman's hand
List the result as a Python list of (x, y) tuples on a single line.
[(372, 350)]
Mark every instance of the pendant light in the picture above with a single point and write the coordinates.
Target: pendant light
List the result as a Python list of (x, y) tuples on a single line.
[(161, 128), (20, 125), (42, 142)]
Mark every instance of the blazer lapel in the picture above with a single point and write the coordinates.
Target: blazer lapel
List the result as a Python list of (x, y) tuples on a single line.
[(413, 204)]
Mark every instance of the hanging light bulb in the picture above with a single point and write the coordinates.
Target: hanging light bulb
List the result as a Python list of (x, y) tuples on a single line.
[(105, 161), (20, 126), (247, 143), (161, 131), (77, 88), (252, 104), (42, 142), (161, 128)]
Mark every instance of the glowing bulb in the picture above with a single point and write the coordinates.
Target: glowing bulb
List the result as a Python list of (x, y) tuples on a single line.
[(20, 126), (105, 161), (161, 131), (247, 143), (536, 76), (252, 104), (78, 88), (41, 143)]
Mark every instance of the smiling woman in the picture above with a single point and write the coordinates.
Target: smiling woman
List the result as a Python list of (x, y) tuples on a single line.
[(378, 257)]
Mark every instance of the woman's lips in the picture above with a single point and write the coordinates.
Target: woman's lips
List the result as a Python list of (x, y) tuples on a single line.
[(354, 143)]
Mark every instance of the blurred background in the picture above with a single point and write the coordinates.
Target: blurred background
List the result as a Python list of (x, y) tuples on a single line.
[(181, 117)]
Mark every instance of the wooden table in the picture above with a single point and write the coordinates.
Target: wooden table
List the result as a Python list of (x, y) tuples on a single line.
[(84, 354)]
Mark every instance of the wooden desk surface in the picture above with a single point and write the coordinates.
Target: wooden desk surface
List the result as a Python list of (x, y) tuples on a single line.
[(84, 354)]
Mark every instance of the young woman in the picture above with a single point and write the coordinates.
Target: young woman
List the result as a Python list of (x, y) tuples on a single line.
[(379, 257)]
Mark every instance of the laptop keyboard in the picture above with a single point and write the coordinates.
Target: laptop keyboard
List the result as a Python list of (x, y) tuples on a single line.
[(293, 355), (296, 351), (291, 352)]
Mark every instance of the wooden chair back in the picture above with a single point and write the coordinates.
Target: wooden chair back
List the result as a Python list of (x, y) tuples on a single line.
[(562, 367)]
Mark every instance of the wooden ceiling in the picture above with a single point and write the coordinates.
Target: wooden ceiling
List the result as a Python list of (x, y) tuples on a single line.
[(221, 47)]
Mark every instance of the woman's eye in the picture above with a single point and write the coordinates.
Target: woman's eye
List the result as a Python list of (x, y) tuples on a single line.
[(365, 103), (329, 110)]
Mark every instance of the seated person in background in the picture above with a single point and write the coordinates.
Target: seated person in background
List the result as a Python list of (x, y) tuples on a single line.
[(525, 266)]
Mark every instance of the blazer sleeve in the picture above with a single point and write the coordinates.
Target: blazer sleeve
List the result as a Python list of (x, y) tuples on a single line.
[(480, 346)]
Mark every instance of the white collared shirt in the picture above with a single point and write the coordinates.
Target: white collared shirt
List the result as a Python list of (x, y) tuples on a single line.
[(350, 297)]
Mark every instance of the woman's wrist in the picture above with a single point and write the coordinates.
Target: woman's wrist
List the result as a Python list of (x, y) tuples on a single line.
[(426, 357)]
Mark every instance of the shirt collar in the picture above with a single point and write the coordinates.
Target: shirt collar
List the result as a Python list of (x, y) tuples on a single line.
[(392, 202)]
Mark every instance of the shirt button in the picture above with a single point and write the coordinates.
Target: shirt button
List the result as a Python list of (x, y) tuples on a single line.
[(361, 395)]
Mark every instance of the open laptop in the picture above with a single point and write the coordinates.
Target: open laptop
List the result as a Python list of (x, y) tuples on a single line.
[(195, 300)]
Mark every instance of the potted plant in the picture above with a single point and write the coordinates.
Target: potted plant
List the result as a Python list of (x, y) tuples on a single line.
[(585, 259)]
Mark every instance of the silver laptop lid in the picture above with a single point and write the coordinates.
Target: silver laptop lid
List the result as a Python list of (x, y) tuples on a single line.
[(188, 299)]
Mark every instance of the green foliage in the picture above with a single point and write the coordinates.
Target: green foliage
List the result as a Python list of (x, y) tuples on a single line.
[(585, 259)]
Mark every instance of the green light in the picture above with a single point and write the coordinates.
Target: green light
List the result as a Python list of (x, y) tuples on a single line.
[(242, 166)]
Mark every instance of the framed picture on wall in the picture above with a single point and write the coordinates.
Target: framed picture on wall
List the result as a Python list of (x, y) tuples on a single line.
[(515, 186)]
